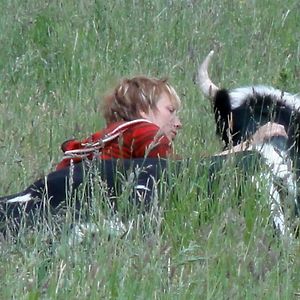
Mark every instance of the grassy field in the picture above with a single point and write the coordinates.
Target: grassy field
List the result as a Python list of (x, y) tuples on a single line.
[(57, 59)]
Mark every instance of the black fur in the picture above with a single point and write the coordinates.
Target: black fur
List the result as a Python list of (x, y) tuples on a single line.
[(222, 110), (255, 111)]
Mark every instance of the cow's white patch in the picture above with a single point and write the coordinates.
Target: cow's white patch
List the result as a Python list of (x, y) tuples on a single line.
[(20, 199), (113, 227), (281, 176), (239, 95)]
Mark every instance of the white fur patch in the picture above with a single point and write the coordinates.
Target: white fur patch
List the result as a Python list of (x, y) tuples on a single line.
[(142, 187), (280, 166), (114, 227), (239, 95), (21, 199)]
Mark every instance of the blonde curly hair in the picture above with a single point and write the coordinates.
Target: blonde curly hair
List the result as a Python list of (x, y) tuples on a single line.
[(136, 95)]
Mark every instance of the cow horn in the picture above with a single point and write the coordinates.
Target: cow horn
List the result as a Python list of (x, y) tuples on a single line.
[(206, 85)]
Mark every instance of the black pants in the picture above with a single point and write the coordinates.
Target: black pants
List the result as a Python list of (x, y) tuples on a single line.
[(140, 175)]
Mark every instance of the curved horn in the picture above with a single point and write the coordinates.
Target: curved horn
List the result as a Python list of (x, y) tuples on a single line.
[(206, 85)]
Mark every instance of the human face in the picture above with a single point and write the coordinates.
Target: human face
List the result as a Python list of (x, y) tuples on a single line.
[(164, 116)]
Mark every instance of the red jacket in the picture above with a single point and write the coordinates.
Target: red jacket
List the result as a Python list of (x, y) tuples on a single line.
[(135, 139)]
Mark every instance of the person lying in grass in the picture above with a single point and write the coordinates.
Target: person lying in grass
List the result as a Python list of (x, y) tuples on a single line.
[(142, 120)]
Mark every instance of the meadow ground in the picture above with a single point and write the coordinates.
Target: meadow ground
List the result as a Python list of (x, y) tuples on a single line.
[(57, 58)]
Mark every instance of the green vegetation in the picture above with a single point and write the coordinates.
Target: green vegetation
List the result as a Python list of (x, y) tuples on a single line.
[(56, 59)]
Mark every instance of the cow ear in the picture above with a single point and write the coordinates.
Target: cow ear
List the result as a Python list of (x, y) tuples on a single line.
[(223, 115), (222, 103)]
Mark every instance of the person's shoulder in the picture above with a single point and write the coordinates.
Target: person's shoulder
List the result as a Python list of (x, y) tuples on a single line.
[(143, 123), (129, 125), (143, 127)]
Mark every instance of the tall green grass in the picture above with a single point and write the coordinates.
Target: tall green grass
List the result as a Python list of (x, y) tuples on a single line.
[(57, 58)]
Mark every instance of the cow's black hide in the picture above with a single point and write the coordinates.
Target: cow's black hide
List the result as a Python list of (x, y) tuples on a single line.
[(255, 108), (240, 113)]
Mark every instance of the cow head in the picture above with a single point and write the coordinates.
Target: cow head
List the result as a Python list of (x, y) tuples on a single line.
[(241, 111)]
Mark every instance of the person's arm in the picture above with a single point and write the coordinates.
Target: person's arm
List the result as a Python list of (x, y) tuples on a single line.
[(263, 134)]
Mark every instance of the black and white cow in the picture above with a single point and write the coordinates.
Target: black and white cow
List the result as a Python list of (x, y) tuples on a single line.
[(240, 112)]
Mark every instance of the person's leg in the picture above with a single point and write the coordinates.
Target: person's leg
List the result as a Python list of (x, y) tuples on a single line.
[(53, 190)]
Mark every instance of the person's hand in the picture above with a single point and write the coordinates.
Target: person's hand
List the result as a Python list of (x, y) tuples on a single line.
[(266, 132), (263, 134)]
